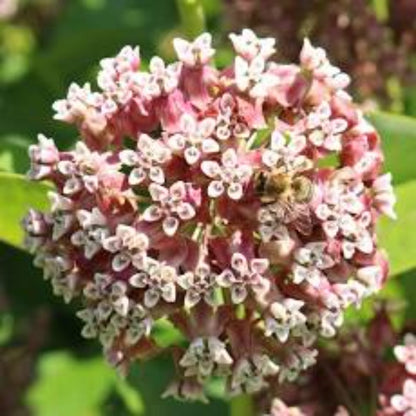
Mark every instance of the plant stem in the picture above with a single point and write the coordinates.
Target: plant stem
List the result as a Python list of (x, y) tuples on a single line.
[(242, 406), (192, 17)]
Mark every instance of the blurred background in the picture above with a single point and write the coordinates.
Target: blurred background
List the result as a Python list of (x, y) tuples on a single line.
[(46, 368)]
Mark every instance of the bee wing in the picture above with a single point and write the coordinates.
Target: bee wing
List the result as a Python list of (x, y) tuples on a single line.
[(299, 215), (303, 220)]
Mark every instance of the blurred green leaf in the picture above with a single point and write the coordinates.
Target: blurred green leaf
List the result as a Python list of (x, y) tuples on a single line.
[(407, 282), (131, 397), (398, 135), (242, 406), (166, 334), (6, 327), (17, 195), (13, 153), (398, 237), (70, 387), (410, 100)]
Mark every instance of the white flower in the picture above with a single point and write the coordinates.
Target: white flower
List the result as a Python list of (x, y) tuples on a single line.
[(43, 157), (330, 317), (342, 213), (116, 78), (249, 46), (284, 317), (135, 323), (299, 360), (129, 247), (161, 80), (284, 153), (195, 138), (405, 403), (82, 172), (253, 77), (406, 353), (243, 276), (170, 206), (62, 215), (249, 374), (230, 176), (205, 357), (158, 280), (92, 233), (309, 261), (146, 160), (315, 60), (370, 277), (195, 53), (384, 198), (59, 269), (351, 293), (228, 122), (199, 284), (324, 131)]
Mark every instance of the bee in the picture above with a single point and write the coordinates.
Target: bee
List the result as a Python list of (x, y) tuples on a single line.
[(286, 196), (278, 186)]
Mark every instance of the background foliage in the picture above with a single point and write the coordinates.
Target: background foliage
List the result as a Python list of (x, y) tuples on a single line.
[(46, 368)]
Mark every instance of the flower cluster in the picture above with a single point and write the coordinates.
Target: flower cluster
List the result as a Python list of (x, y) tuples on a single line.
[(370, 49), (205, 198), (372, 365), (403, 402)]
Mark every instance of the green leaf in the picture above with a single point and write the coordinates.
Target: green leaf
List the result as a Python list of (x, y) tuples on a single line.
[(17, 195), (70, 387), (166, 334), (130, 397), (407, 282), (13, 153), (242, 406), (398, 238), (398, 135)]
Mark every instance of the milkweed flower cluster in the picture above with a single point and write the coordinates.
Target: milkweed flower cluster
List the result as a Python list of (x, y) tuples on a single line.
[(403, 401), (373, 365), (238, 204)]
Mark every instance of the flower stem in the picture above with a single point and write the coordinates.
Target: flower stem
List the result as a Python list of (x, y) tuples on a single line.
[(242, 406), (192, 17)]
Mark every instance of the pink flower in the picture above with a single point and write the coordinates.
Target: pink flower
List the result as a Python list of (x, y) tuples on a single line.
[(229, 177), (146, 160), (44, 157), (405, 403), (244, 276), (195, 53), (406, 353), (194, 139), (199, 284), (315, 60), (249, 46), (170, 206), (128, 245), (158, 280), (384, 198)]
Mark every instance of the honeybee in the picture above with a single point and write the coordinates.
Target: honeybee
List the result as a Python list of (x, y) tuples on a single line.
[(278, 186), (286, 196)]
